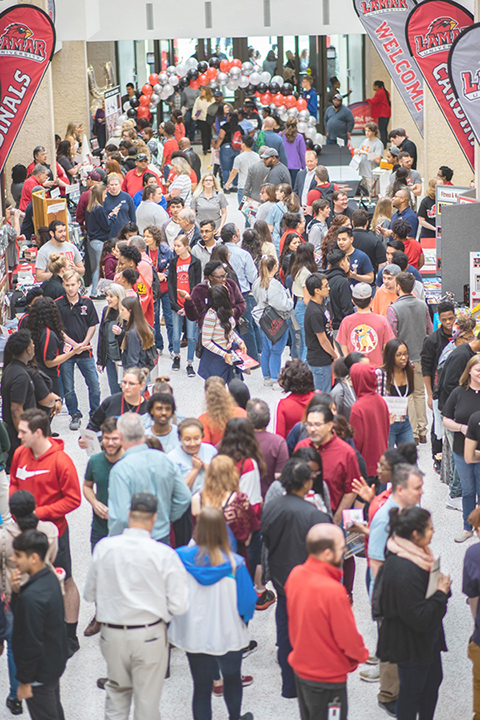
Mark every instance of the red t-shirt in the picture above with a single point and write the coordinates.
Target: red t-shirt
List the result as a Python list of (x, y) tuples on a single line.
[(413, 249), (132, 182), (183, 282), (179, 131), (366, 333), (290, 410), (169, 147)]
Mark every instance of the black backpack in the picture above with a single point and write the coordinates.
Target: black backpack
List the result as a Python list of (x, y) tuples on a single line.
[(155, 284)]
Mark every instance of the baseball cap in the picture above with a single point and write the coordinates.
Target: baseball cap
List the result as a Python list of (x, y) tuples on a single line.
[(392, 269), (338, 96), (218, 93), (141, 156), (93, 175), (144, 502), (394, 150), (269, 152), (247, 126), (362, 291)]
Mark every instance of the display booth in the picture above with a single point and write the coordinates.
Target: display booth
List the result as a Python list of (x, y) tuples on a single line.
[(45, 210)]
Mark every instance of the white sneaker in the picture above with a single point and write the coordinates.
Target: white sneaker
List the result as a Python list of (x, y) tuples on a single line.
[(268, 382), (372, 660), (276, 386), (453, 503), (371, 674), (464, 535)]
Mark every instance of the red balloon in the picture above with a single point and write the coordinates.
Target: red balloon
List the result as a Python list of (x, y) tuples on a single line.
[(144, 100), (301, 104), (147, 89), (236, 63), (153, 79), (290, 101), (278, 99), (266, 98), (143, 112), (203, 79), (211, 73), (195, 84), (225, 66)]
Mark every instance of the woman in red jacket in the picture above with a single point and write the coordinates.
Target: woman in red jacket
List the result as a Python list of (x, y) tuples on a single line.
[(296, 378), (381, 109)]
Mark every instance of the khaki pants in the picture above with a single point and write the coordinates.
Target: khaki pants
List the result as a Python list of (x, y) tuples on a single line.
[(389, 683), (474, 655), (136, 663), (417, 410)]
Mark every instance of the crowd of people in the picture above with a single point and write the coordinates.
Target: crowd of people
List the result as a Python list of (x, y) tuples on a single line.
[(200, 522)]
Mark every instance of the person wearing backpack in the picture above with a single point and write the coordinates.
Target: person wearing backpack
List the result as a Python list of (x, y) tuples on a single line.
[(138, 346), (323, 191)]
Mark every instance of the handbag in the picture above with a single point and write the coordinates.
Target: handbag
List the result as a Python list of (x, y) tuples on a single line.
[(243, 326), (272, 324)]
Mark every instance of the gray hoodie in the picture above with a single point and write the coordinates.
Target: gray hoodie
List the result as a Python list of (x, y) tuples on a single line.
[(275, 296)]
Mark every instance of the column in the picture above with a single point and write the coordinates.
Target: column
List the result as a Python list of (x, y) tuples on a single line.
[(70, 87)]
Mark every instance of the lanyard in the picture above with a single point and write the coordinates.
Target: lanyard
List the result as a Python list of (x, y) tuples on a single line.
[(398, 390), (130, 410)]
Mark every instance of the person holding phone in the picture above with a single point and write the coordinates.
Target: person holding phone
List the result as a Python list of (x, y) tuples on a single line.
[(199, 114), (109, 336), (219, 339)]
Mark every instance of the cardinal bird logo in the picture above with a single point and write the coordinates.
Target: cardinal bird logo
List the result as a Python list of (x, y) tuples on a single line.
[(439, 37), (18, 40)]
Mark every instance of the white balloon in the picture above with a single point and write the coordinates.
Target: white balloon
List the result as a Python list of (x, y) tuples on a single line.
[(122, 119), (254, 78), (319, 139), (302, 127), (181, 69), (171, 70), (257, 68), (243, 81), (222, 78), (265, 77), (272, 106), (126, 105), (292, 112), (284, 117), (235, 73), (311, 133), (191, 63), (312, 121), (168, 90), (163, 78), (232, 85), (278, 79), (173, 80), (303, 115), (213, 85), (247, 68)]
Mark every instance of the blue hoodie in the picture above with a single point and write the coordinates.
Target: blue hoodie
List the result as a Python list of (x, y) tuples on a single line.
[(207, 574)]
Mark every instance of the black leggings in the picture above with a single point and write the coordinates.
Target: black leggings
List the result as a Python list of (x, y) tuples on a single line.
[(206, 133)]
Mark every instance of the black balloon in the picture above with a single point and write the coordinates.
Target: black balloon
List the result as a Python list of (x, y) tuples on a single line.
[(296, 95), (214, 62), (138, 93), (250, 90), (202, 66), (286, 89), (192, 74), (317, 149), (262, 88), (134, 102), (131, 113), (183, 83), (274, 87), (308, 143)]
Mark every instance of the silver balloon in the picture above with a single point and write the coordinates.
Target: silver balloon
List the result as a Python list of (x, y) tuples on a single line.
[(243, 81), (265, 77), (181, 70), (232, 85), (235, 73), (257, 68), (222, 78), (171, 70), (122, 119), (311, 133), (254, 78), (168, 90), (154, 99), (191, 63), (278, 79), (312, 121), (157, 88), (319, 139), (303, 115), (163, 78), (302, 127), (247, 68), (173, 80), (292, 112), (213, 85), (126, 105), (284, 117)]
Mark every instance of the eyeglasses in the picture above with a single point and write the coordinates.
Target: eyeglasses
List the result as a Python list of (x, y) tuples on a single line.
[(219, 277), (129, 384), (314, 426)]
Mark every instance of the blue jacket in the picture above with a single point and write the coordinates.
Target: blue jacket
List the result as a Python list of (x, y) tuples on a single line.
[(275, 141), (125, 214), (338, 123), (206, 574), (99, 224), (164, 258), (312, 101), (137, 199)]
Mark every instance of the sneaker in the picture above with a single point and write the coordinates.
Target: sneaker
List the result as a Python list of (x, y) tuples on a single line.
[(371, 674), (464, 535), (101, 682), (276, 386), (190, 371), (246, 716), (75, 422), (73, 646), (176, 363), (372, 660), (251, 648), (14, 705), (266, 599), (453, 503), (389, 707), (218, 689), (437, 465), (268, 382)]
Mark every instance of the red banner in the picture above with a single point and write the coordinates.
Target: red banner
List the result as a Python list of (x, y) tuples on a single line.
[(27, 42), (362, 114), (431, 29)]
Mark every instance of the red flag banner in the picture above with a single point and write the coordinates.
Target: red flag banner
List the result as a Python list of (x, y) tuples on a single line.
[(465, 75), (430, 31), (361, 113), (27, 42)]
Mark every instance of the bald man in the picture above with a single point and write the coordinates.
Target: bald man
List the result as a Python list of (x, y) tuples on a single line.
[(185, 146), (325, 640), (273, 140)]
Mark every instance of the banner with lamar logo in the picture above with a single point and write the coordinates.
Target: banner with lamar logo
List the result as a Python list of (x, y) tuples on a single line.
[(27, 42), (384, 22), (464, 73), (431, 29)]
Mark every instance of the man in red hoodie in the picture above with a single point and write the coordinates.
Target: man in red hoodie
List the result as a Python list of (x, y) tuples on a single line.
[(369, 411), (325, 640), (41, 466)]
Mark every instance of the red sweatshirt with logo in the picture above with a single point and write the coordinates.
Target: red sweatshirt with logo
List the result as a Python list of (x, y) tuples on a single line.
[(51, 478)]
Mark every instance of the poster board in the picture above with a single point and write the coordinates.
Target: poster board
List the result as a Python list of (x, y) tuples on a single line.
[(113, 110), (45, 210)]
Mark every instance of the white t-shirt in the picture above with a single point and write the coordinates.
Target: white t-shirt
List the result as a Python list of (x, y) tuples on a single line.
[(242, 163), (68, 249), (170, 441), (374, 147), (184, 462)]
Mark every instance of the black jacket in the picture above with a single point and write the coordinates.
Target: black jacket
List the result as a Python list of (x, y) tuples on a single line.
[(431, 351), (411, 629), (371, 245), (286, 521), (340, 296), (300, 181), (194, 278), (102, 346), (452, 371), (53, 287), (39, 639)]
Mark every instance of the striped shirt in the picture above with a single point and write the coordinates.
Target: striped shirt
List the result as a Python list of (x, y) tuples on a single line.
[(213, 335)]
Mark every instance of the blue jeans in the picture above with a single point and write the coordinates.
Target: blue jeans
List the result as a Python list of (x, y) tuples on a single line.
[(299, 317), (400, 432), (470, 480), (164, 301), (252, 339), (204, 669), (97, 247), (322, 377), (293, 175), (12, 668), (227, 156), (271, 357), (289, 689), (112, 376), (239, 195), (177, 331), (89, 371), (294, 339)]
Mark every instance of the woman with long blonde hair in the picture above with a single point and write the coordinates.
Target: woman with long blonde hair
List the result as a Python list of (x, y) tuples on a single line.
[(209, 202), (220, 408), (199, 115)]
